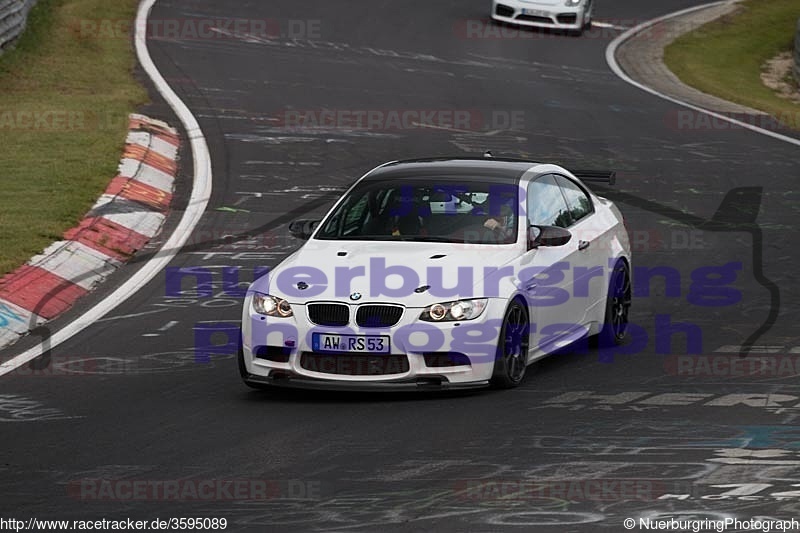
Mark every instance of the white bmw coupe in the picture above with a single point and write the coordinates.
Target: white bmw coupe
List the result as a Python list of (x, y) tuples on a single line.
[(441, 273)]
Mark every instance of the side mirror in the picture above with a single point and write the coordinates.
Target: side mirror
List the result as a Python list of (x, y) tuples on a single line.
[(548, 236), (302, 229)]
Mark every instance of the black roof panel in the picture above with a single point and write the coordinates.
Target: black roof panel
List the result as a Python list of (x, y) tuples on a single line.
[(498, 169)]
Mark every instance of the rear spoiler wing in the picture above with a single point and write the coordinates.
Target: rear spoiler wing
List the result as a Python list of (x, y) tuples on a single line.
[(596, 176)]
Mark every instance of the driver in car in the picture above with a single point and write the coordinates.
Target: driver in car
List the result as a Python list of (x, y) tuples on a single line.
[(503, 224), (411, 217)]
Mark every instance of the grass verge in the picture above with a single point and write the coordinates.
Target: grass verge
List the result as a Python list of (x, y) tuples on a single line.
[(66, 94), (725, 57)]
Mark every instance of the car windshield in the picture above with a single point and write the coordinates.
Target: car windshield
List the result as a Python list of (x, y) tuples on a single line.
[(463, 211)]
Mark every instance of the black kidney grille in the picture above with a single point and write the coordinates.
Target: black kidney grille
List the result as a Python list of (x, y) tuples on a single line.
[(378, 316), (329, 314)]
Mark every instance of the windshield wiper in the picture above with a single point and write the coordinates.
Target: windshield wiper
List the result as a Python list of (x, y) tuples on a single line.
[(425, 238), (390, 238)]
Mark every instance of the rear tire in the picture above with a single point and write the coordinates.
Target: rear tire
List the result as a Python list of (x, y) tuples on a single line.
[(512, 348), (618, 304)]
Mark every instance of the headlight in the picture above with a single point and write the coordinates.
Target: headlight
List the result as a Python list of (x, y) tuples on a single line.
[(264, 304), (573, 3), (453, 311)]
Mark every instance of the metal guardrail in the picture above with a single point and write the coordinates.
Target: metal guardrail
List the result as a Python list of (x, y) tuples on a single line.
[(13, 15), (797, 52)]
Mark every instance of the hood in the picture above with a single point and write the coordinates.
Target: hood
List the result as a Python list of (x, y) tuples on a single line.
[(386, 272)]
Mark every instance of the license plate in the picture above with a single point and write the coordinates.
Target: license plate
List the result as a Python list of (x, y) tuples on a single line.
[(535, 13), (326, 342)]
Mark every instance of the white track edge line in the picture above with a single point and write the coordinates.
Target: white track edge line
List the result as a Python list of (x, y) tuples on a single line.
[(611, 59), (200, 195)]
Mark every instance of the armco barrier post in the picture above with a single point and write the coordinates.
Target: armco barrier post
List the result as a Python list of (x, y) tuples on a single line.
[(797, 52)]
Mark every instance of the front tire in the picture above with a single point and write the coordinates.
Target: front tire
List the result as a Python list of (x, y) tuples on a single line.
[(511, 359), (589, 15), (618, 304)]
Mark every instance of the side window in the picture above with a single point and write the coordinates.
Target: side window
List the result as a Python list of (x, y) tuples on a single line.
[(546, 205), (355, 215), (578, 202)]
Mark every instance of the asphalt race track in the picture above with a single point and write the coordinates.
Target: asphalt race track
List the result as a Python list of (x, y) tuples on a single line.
[(589, 439)]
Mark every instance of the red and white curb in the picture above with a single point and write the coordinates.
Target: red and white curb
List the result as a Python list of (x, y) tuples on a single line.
[(125, 217)]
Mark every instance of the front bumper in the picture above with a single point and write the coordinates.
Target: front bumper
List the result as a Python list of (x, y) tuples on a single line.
[(556, 17), (410, 339), (298, 382)]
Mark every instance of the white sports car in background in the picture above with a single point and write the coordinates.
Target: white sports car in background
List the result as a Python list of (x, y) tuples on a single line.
[(441, 273), (571, 15)]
